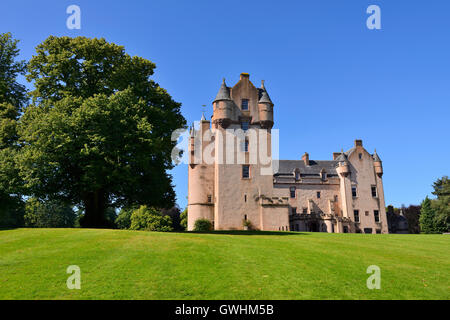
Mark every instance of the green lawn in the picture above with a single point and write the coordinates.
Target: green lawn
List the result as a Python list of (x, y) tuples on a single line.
[(236, 265)]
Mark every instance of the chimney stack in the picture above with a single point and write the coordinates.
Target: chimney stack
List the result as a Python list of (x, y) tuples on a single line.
[(305, 158), (358, 143), (244, 76)]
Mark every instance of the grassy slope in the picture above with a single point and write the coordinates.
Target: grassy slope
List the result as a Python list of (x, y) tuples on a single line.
[(145, 265)]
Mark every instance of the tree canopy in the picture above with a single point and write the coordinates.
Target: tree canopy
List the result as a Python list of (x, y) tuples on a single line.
[(98, 132), (12, 99)]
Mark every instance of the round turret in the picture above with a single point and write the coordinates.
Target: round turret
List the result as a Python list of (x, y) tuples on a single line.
[(223, 107), (265, 108), (377, 164)]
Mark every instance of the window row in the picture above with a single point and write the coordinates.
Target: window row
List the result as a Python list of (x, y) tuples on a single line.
[(376, 215), (373, 190)]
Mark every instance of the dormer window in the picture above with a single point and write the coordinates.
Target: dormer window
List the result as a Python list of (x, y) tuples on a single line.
[(244, 104)]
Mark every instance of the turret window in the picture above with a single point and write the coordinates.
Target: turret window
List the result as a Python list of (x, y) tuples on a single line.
[(244, 104)]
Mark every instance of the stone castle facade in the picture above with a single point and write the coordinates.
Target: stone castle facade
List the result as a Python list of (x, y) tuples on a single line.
[(235, 192)]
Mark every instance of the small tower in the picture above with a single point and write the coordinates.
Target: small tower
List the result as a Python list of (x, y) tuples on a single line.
[(377, 164), (223, 107), (265, 108), (342, 168)]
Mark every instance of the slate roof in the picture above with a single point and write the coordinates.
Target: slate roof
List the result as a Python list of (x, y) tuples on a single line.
[(286, 167)]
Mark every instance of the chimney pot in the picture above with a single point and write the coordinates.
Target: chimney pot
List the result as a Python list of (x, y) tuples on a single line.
[(358, 143)]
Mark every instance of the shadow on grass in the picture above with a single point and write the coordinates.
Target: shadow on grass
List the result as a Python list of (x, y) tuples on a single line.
[(8, 228), (251, 233)]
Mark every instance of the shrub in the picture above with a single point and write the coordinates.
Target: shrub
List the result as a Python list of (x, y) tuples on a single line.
[(246, 223), (48, 214), (202, 225), (123, 220), (183, 217), (150, 219)]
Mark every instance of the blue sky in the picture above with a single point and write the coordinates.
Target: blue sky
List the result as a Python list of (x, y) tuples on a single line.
[(331, 78)]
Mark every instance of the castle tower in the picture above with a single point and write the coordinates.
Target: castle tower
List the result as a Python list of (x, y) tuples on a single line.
[(200, 176)]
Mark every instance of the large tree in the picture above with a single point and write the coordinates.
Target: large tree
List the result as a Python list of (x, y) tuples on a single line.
[(442, 204), (427, 217), (99, 130), (12, 99)]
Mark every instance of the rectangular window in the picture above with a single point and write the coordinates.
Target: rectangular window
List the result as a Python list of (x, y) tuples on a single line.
[(378, 231), (244, 104), (246, 171), (376, 214), (209, 198), (354, 194), (244, 125), (245, 198), (246, 145), (292, 192), (294, 210), (374, 191), (318, 194), (356, 214), (367, 230)]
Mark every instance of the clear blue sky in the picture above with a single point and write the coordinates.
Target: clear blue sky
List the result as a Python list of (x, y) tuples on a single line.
[(332, 80)]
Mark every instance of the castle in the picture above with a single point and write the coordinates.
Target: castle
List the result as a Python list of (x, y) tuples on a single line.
[(235, 189)]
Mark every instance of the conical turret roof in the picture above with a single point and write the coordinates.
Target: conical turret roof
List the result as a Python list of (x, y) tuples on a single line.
[(264, 95), (224, 92), (342, 157), (375, 156)]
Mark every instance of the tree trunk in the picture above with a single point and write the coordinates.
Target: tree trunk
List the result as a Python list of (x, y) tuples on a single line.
[(95, 208)]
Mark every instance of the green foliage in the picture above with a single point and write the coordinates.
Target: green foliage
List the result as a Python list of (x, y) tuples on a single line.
[(11, 92), (12, 99), (246, 223), (11, 211), (99, 131), (183, 217), (442, 204), (123, 220), (48, 214), (202, 225), (427, 215), (435, 214), (150, 219)]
